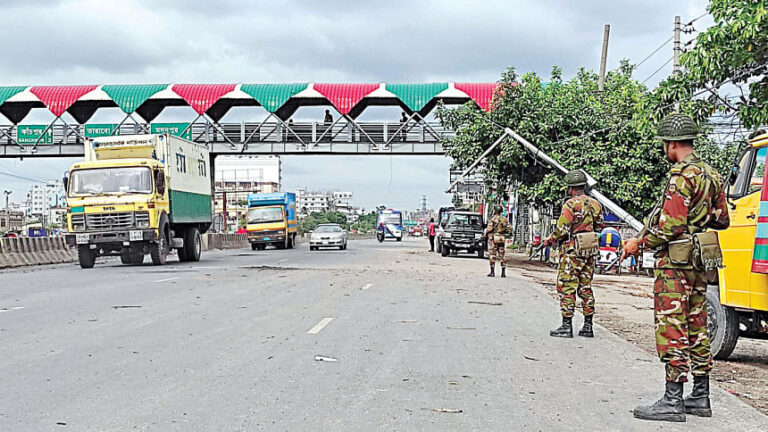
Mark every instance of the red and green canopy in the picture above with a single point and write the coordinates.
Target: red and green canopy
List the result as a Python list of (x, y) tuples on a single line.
[(481, 93), (9, 92), (273, 96), (130, 97), (59, 99), (344, 97), (202, 96), (416, 96)]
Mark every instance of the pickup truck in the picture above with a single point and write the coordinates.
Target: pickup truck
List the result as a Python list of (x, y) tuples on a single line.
[(463, 231)]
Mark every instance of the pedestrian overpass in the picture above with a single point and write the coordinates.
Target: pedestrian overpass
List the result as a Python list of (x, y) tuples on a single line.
[(276, 133)]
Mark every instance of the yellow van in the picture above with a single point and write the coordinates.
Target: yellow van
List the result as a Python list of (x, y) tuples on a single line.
[(738, 306)]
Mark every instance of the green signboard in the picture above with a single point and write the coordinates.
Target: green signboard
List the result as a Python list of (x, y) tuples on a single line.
[(28, 134), (173, 129), (100, 130)]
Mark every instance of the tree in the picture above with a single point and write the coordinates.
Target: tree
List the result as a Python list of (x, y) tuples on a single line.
[(610, 134), (733, 50)]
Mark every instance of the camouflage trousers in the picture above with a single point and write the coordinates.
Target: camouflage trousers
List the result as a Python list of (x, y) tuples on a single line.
[(574, 275), (680, 312), (496, 253)]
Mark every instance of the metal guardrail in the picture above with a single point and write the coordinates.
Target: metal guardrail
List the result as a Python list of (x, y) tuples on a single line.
[(351, 138)]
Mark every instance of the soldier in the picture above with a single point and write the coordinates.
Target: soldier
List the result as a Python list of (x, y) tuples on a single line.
[(693, 201), (580, 214), (498, 228)]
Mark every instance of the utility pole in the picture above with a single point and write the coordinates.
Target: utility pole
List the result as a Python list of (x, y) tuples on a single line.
[(676, 47), (604, 57), (7, 194)]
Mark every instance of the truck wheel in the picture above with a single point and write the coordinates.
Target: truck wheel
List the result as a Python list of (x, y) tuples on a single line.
[(159, 249), (254, 246), (193, 246), (723, 325), (137, 258), (439, 247), (445, 251), (291, 242), (183, 251), (261, 246), (86, 256)]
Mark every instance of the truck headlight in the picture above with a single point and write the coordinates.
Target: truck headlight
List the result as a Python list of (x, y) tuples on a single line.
[(142, 220), (478, 236), (78, 222), (447, 235)]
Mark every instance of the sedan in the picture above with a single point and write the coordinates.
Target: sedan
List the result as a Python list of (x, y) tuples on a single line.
[(328, 235)]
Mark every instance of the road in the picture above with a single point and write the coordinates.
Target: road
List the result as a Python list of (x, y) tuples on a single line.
[(230, 344)]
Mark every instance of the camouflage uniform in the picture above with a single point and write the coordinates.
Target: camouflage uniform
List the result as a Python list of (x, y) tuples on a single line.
[(574, 274), (498, 227), (694, 200)]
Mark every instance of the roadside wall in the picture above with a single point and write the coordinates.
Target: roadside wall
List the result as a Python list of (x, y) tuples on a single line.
[(24, 251), (224, 241)]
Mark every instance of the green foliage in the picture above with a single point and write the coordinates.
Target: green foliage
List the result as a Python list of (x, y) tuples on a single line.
[(735, 48), (310, 222), (610, 134), (366, 223)]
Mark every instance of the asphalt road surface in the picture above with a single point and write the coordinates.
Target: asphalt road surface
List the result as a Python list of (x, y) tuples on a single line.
[(377, 337)]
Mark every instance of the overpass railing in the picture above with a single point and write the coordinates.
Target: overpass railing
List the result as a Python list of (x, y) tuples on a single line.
[(243, 138)]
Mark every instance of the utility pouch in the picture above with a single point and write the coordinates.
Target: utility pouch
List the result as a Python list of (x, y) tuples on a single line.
[(498, 238), (587, 244), (680, 251), (707, 254)]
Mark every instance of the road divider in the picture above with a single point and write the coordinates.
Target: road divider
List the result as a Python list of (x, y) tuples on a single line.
[(26, 251), (224, 241)]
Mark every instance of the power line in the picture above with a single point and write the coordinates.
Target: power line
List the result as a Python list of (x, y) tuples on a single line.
[(658, 70), (663, 44), (21, 177)]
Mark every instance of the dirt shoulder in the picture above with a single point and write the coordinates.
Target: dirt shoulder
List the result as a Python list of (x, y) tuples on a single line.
[(625, 306)]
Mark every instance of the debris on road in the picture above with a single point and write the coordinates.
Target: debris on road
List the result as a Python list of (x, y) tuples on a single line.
[(325, 359), (530, 358), (461, 328), (447, 410), (125, 307), (485, 303), (408, 321)]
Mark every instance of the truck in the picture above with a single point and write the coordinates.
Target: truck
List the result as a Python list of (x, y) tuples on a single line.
[(271, 220), (389, 224), (463, 231), (135, 195), (738, 302)]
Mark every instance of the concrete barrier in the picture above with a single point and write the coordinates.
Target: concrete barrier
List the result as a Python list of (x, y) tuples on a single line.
[(224, 241), (25, 251)]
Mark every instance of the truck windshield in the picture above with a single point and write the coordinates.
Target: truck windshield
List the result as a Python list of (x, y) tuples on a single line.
[(463, 219), (265, 214), (391, 218), (99, 181)]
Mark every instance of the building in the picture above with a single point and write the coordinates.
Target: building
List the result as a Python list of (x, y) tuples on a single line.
[(11, 220), (238, 176), (42, 198)]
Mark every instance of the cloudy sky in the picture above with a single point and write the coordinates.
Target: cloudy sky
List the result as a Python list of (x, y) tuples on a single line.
[(97, 42)]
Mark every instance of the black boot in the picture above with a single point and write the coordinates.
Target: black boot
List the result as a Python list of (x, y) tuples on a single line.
[(503, 272), (493, 272), (565, 330), (668, 408), (697, 403), (586, 331)]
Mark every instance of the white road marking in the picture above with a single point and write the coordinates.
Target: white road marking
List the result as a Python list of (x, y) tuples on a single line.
[(11, 309), (166, 280), (319, 326), (366, 286), (283, 260)]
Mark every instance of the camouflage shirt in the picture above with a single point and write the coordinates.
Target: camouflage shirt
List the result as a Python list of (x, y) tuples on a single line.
[(693, 201), (580, 214), (498, 225)]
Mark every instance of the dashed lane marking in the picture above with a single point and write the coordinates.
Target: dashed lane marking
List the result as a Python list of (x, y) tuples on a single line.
[(166, 280), (319, 326), (11, 309)]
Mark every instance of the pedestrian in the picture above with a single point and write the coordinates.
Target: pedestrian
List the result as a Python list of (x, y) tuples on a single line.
[(694, 200), (581, 216), (403, 131), (431, 233), (328, 118), (498, 228)]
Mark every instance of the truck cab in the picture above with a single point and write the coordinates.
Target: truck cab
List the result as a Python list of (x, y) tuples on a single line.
[(463, 231), (738, 305), (271, 220)]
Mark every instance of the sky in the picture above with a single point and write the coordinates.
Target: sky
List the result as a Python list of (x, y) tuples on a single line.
[(52, 42)]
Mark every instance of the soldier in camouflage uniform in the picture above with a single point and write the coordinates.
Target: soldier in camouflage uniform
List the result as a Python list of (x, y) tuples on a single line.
[(498, 228), (693, 201), (580, 213)]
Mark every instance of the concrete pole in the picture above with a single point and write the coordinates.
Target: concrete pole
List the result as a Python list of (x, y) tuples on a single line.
[(604, 57), (676, 47)]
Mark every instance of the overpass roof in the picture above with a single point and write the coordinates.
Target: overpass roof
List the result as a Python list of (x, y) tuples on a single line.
[(282, 99)]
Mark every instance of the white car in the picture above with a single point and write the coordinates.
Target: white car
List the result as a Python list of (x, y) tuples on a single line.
[(328, 235)]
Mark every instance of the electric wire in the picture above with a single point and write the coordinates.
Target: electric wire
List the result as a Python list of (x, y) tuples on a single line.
[(655, 51), (21, 177), (658, 70)]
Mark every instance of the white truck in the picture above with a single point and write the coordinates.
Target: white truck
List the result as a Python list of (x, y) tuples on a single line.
[(136, 195)]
